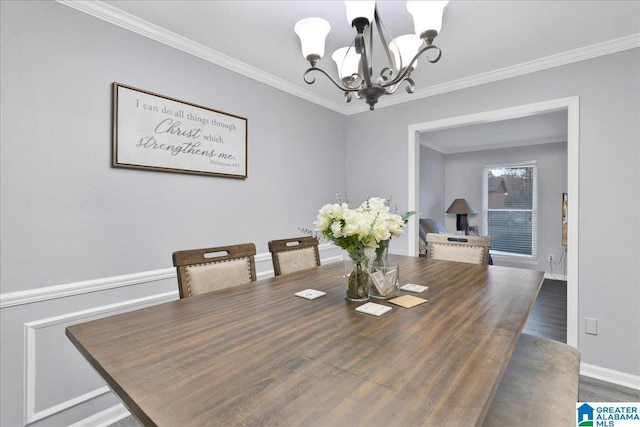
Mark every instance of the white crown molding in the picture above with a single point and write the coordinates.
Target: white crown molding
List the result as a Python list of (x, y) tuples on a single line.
[(564, 58), (130, 22), (469, 148)]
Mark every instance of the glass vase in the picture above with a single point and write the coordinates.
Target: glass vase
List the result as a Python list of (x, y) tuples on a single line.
[(382, 252), (385, 282), (357, 271)]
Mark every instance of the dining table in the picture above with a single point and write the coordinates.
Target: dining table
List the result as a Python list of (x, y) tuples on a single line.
[(258, 355)]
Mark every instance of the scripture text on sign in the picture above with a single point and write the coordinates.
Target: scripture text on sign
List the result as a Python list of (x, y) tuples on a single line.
[(160, 133)]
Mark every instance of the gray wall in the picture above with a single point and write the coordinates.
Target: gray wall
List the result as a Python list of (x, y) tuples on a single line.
[(69, 219), (432, 184), (60, 194), (463, 178), (609, 91), (82, 240)]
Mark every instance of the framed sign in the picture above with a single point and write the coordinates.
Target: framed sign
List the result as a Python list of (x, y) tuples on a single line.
[(155, 132)]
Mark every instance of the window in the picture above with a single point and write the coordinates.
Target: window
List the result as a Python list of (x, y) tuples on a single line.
[(509, 208)]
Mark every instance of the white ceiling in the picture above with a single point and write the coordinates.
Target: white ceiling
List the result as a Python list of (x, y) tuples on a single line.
[(481, 41), (538, 129)]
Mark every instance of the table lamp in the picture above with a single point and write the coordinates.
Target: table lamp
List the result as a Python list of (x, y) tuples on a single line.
[(461, 208)]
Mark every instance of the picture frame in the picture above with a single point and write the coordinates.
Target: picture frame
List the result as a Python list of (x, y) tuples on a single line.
[(159, 133)]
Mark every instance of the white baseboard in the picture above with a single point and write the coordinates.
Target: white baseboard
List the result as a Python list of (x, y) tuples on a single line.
[(610, 376), (560, 277)]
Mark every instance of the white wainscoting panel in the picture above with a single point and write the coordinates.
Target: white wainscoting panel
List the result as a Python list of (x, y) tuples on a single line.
[(49, 360), (32, 367)]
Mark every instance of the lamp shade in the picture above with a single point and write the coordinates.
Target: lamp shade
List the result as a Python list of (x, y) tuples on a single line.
[(461, 206), (360, 9), (404, 48), (427, 15), (347, 61), (312, 33)]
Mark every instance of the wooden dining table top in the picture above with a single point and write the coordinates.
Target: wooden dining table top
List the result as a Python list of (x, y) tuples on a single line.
[(256, 355)]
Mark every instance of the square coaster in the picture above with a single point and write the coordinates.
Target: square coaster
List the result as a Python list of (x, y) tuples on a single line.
[(310, 294), (411, 287), (373, 309), (407, 301)]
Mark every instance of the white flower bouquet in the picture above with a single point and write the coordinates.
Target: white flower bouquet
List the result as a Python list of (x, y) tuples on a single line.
[(362, 232)]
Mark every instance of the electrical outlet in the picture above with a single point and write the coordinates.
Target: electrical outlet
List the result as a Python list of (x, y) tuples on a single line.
[(591, 326), (550, 257)]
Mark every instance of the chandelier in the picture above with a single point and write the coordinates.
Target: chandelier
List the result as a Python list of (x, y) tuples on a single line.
[(355, 62)]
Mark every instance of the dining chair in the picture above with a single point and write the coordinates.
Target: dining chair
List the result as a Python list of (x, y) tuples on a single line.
[(453, 247), (209, 269), (294, 254)]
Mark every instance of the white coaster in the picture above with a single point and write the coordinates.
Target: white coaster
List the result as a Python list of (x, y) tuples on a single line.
[(310, 294), (414, 288), (373, 309)]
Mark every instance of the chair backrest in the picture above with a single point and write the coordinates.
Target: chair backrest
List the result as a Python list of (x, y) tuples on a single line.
[(294, 254), (209, 269), (450, 247)]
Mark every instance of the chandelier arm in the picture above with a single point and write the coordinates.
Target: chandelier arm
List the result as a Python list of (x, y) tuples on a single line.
[(383, 77), (381, 27), (364, 62), (338, 85), (392, 89), (407, 71)]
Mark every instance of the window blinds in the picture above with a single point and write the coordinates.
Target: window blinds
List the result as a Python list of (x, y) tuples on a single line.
[(509, 208)]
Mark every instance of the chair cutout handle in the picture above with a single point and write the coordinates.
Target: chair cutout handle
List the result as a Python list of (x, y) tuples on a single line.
[(457, 239), (294, 243), (210, 255)]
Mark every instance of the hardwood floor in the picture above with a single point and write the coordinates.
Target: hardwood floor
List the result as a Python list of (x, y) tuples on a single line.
[(548, 318)]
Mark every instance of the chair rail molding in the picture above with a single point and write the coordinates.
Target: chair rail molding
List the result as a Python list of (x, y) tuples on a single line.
[(46, 293)]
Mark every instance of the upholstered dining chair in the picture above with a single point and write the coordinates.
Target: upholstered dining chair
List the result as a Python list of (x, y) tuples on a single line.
[(453, 247), (294, 254), (209, 269)]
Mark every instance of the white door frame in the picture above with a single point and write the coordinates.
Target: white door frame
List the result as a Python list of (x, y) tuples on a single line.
[(572, 106)]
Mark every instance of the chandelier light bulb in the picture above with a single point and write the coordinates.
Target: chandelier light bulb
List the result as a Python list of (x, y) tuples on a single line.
[(360, 9), (347, 61), (312, 33), (427, 16), (404, 48)]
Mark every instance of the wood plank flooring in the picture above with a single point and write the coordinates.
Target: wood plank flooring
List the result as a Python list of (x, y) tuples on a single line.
[(548, 319)]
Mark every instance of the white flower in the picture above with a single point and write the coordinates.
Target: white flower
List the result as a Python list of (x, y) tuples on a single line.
[(336, 229), (352, 225), (395, 224), (375, 205), (361, 228)]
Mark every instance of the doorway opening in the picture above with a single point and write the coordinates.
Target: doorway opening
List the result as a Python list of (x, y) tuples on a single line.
[(571, 106)]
